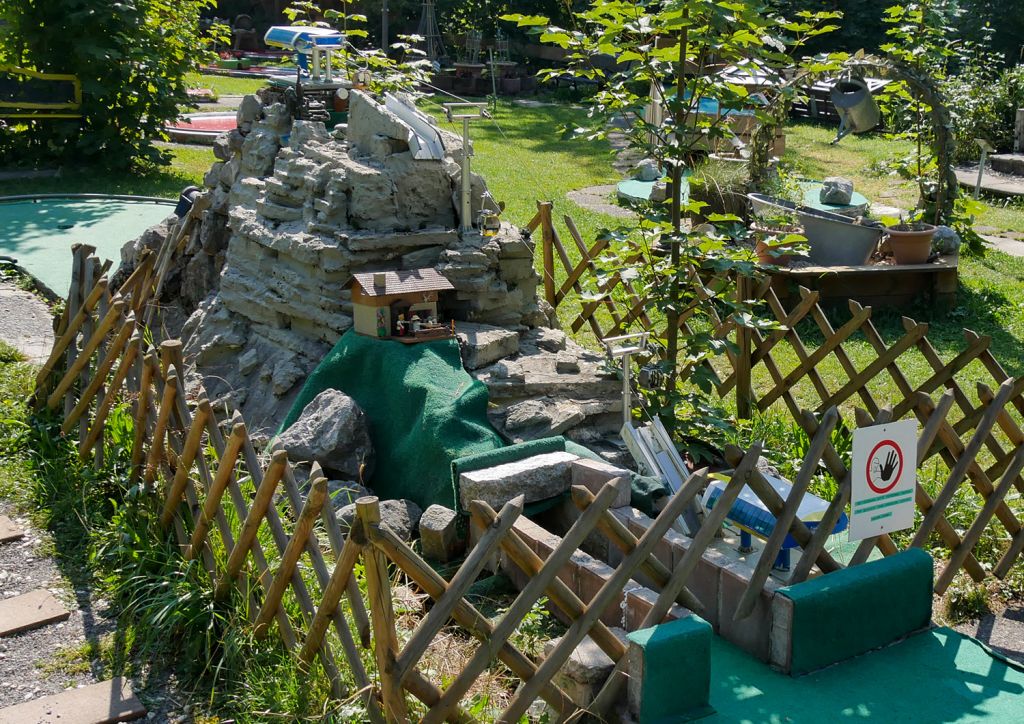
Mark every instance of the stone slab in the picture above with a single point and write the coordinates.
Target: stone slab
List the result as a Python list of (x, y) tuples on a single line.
[(1013, 247), (484, 344), (30, 610), (108, 701), (9, 530), (594, 474), (538, 478)]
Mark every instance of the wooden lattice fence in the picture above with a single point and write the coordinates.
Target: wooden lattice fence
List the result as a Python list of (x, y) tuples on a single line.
[(255, 530), (979, 443)]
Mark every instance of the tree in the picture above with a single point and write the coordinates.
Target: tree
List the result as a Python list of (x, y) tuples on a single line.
[(132, 57), (675, 51)]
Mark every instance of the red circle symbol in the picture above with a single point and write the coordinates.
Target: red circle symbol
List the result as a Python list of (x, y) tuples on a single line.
[(895, 477)]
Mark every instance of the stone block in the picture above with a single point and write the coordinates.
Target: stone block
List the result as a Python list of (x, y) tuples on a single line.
[(704, 582), (658, 691), (751, 633), (9, 530), (586, 669), (107, 701), (439, 534), (640, 601), (538, 478), (593, 474), (484, 344), (401, 516), (29, 611)]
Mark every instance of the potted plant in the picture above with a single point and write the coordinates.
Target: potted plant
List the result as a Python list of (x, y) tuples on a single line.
[(778, 239), (910, 241)]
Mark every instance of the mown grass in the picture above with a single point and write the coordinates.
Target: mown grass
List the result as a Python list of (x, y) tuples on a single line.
[(225, 85), (188, 165)]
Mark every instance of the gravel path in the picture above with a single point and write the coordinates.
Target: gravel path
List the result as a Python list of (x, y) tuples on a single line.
[(25, 322), (27, 660), (58, 656), (1002, 630)]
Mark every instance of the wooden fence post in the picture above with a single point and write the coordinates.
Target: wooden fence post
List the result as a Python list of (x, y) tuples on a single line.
[(744, 393), (547, 243), (378, 589)]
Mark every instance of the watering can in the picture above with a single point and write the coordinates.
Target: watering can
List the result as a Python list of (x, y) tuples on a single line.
[(855, 105)]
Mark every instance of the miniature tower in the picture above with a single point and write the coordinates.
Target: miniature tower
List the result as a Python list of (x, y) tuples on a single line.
[(432, 41)]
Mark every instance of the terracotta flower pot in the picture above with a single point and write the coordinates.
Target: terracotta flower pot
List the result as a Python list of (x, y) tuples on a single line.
[(767, 244), (911, 243)]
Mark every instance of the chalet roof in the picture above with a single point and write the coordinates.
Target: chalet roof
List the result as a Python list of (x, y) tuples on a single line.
[(408, 281)]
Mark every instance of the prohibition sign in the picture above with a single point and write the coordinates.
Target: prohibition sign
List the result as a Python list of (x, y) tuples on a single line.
[(884, 487)]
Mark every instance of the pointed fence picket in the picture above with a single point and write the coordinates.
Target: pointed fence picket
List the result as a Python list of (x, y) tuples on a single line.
[(258, 534)]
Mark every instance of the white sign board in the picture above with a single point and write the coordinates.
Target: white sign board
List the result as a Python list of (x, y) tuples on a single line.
[(884, 479)]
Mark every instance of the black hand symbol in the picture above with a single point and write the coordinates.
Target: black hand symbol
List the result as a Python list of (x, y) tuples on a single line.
[(889, 467)]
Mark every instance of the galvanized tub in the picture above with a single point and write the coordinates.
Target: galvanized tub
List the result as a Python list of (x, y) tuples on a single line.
[(834, 240)]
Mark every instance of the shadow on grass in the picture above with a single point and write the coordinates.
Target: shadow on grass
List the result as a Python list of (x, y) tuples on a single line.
[(165, 183)]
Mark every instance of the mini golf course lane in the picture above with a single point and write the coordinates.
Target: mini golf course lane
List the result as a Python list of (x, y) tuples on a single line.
[(935, 676), (38, 233)]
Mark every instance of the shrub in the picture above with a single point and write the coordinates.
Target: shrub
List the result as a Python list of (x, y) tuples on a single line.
[(131, 57)]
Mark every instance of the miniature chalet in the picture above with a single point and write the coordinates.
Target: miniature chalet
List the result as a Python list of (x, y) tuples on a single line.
[(399, 304)]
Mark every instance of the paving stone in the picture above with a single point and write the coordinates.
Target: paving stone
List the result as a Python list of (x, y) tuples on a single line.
[(30, 610), (108, 701), (586, 669), (752, 633), (9, 530), (538, 478)]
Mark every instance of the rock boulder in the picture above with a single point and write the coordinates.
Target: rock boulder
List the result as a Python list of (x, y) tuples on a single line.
[(332, 430)]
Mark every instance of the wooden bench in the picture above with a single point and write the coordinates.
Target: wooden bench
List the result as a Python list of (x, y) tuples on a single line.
[(32, 95)]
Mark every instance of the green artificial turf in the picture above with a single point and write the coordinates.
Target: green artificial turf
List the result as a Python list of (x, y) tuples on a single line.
[(39, 234), (935, 676)]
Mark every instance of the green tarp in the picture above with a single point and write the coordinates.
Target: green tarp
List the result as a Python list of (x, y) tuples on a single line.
[(425, 411), (428, 419)]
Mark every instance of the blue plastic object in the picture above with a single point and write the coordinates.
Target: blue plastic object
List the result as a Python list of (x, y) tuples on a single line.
[(753, 518)]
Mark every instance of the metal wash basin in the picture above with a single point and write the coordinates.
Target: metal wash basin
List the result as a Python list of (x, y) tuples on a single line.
[(834, 240)]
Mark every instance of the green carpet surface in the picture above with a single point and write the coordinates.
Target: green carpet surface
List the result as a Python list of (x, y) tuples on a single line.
[(425, 411), (935, 676), (39, 234)]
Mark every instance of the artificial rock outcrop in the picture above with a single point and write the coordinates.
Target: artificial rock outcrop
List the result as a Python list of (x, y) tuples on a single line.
[(294, 212)]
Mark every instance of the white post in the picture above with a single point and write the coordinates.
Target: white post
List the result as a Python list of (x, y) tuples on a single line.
[(467, 178)]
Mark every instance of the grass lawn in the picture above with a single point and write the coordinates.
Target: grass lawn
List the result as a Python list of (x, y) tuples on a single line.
[(225, 85), (188, 165)]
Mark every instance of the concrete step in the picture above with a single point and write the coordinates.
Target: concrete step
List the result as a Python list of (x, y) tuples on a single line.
[(9, 530), (108, 701), (29, 611), (1010, 163), (1004, 185)]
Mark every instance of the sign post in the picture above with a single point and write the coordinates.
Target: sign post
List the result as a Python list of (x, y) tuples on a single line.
[(884, 479)]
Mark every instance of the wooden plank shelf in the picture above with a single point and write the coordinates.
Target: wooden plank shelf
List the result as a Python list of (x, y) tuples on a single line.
[(875, 285)]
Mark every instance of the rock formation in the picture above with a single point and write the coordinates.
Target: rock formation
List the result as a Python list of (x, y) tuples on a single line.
[(294, 211)]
